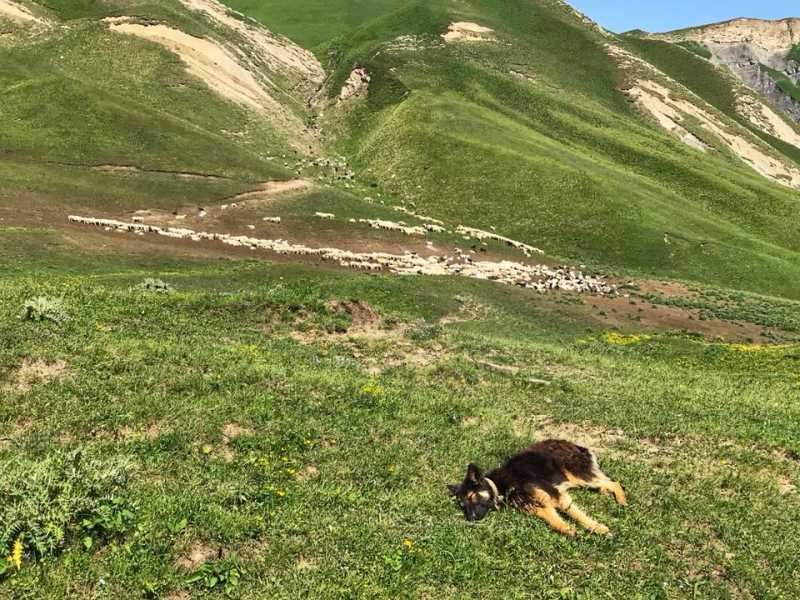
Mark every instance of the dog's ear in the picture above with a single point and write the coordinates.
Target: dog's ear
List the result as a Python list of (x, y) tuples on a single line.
[(452, 489), (474, 474)]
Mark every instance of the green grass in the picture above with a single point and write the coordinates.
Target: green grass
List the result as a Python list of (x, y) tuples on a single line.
[(794, 53), (784, 83), (91, 96), (696, 48), (310, 24), (765, 311), (154, 383), (303, 455)]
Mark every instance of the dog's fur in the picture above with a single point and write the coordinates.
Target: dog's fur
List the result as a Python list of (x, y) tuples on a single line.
[(536, 480)]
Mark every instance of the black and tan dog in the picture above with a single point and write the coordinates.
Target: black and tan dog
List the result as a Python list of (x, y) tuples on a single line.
[(536, 480)]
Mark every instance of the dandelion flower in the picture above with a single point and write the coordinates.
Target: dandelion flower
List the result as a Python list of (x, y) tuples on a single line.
[(280, 493), (408, 543), (391, 469)]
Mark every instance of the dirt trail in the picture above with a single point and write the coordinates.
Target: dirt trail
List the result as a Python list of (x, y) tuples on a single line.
[(135, 169), (205, 59), (269, 191)]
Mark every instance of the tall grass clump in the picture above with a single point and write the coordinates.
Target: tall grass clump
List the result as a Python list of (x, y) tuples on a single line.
[(44, 501), (44, 308)]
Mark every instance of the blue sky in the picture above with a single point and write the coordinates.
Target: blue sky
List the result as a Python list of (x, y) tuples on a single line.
[(666, 15)]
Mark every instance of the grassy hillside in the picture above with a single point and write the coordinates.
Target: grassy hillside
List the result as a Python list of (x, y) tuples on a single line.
[(697, 48), (83, 96), (530, 134), (704, 80), (312, 23), (183, 418)]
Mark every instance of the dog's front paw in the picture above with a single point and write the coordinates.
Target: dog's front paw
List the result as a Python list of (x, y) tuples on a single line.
[(602, 530)]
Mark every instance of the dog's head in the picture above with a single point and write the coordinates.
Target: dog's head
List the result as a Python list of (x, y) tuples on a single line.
[(476, 495)]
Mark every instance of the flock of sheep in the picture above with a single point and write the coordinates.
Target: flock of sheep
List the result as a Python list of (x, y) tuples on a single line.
[(538, 277)]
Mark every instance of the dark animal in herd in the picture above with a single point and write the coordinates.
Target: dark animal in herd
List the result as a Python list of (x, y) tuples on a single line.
[(537, 481)]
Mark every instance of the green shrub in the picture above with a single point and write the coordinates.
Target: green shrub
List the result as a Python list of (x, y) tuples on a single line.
[(43, 501), (43, 308), (794, 53)]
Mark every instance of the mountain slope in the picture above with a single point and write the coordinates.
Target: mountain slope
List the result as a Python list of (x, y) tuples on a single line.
[(763, 54), (530, 130)]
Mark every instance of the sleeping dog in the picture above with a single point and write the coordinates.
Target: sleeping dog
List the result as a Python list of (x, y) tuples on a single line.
[(537, 481)]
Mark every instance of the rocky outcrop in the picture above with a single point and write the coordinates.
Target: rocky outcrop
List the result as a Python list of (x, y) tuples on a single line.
[(754, 77), (743, 45), (768, 36), (359, 80)]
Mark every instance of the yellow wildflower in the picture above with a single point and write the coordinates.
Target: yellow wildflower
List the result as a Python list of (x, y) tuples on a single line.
[(290, 471), (757, 347), (619, 339), (408, 543), (16, 554), (391, 469), (207, 449), (280, 493)]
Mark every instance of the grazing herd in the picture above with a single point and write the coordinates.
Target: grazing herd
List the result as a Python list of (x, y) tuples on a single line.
[(537, 277)]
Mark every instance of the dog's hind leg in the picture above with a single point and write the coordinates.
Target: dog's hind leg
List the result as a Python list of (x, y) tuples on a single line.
[(608, 487), (596, 481), (568, 506)]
